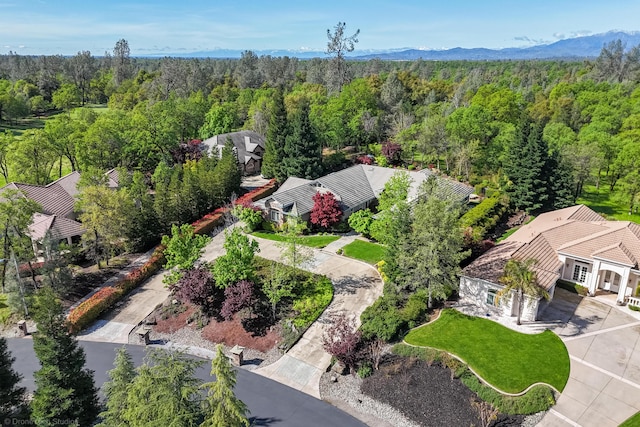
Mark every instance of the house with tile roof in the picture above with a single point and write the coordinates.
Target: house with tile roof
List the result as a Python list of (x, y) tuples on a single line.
[(57, 218), (574, 244), (247, 145), (355, 188)]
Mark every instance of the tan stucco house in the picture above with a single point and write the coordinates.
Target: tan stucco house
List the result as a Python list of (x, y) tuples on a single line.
[(574, 244)]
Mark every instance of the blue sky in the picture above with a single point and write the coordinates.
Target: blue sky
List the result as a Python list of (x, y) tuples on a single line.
[(161, 26)]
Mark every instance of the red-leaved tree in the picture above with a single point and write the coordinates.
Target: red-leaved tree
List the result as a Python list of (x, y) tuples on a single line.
[(196, 286), (237, 297), (343, 340), (392, 151), (326, 210)]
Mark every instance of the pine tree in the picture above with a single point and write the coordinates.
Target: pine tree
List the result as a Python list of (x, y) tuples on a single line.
[(116, 390), (525, 168), (165, 392), (222, 408), (12, 398), (275, 142), (64, 388), (560, 182), (227, 174), (303, 153)]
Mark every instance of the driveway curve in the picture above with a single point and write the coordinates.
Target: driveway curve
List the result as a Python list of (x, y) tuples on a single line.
[(604, 349), (270, 403), (356, 286)]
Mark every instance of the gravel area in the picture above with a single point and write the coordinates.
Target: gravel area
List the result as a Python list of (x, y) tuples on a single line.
[(191, 340), (347, 390), (428, 393)]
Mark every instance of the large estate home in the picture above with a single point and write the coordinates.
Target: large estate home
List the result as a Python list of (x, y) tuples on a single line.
[(574, 244), (355, 188), (247, 145), (57, 218)]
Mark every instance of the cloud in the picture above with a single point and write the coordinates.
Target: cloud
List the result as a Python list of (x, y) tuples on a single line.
[(530, 40), (559, 36), (580, 33)]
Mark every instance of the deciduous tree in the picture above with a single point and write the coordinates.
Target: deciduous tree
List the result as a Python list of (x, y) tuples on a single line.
[(342, 340), (338, 46), (237, 263), (326, 211)]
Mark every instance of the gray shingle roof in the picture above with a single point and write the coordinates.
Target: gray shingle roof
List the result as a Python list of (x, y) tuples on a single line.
[(53, 198), (245, 142), (354, 186)]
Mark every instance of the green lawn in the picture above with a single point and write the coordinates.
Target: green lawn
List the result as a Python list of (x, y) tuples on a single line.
[(318, 241), (603, 201), (634, 421), (508, 360), (364, 251), (5, 311)]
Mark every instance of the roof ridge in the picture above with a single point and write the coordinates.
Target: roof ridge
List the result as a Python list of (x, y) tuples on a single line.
[(66, 176), (592, 236)]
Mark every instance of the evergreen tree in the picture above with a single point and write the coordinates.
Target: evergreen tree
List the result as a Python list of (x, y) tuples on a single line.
[(165, 392), (144, 228), (64, 388), (560, 182), (116, 390), (227, 175), (12, 398), (431, 254), (303, 153), (162, 205), (221, 407), (275, 142), (525, 168)]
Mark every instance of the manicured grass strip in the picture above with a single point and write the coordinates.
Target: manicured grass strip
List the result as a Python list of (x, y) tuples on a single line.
[(634, 421), (507, 359), (364, 251), (319, 241)]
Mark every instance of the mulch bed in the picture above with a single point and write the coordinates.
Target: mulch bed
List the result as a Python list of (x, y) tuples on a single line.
[(232, 332), (229, 333), (426, 394)]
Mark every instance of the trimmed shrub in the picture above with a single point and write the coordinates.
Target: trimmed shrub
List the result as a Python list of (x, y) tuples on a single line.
[(88, 311), (414, 311), (382, 320)]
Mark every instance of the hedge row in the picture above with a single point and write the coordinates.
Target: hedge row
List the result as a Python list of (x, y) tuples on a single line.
[(484, 216), (88, 311)]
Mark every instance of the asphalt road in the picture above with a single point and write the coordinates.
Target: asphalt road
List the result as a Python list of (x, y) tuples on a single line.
[(271, 404)]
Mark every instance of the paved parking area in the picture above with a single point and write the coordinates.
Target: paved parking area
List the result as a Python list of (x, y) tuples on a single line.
[(603, 345)]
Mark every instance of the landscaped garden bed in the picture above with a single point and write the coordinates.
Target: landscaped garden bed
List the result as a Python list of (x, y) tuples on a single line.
[(508, 360)]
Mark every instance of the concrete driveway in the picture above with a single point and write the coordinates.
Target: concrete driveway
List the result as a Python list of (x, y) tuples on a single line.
[(604, 349), (356, 286)]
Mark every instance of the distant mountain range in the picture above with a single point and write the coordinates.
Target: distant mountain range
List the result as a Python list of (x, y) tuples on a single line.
[(573, 48)]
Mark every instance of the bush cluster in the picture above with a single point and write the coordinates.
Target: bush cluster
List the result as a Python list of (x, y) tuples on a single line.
[(480, 219), (88, 311)]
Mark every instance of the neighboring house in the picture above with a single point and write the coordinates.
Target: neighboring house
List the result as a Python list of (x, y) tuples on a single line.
[(574, 244), (355, 188), (247, 145), (57, 199)]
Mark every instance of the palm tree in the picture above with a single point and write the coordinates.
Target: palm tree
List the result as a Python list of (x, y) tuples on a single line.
[(518, 277)]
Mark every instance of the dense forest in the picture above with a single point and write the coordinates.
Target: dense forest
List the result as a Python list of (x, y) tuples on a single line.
[(539, 129)]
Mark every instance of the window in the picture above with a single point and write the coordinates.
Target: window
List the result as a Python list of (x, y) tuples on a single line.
[(275, 216), (580, 273), (492, 296)]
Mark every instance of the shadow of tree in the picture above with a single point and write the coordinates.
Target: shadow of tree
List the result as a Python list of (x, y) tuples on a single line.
[(351, 284), (256, 421)]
